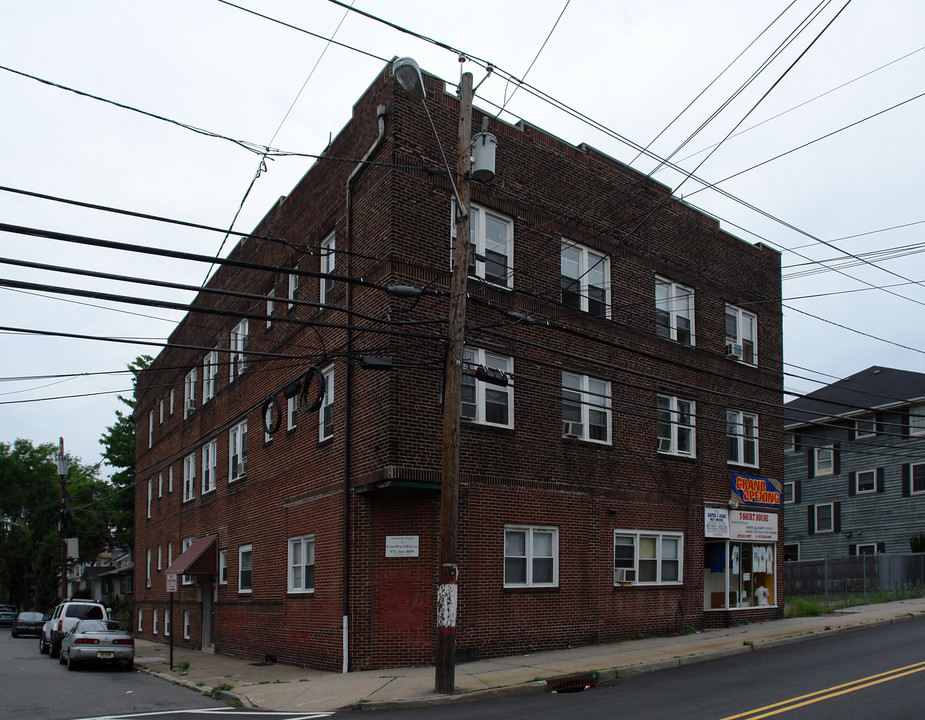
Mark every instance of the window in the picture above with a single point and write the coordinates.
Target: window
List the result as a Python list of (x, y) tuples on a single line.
[(170, 479), (169, 554), (189, 393), (209, 457), (585, 408), (917, 420), (154, 623), (238, 348), (918, 478), (160, 549), (209, 373), (167, 623), (271, 306), (160, 484), (237, 451), (824, 461), (148, 570), (531, 556), (585, 280), (675, 425), (291, 406), (491, 252), (140, 620), (789, 442), (149, 498), (170, 411), (326, 411), (647, 558), (187, 579), (223, 567), (189, 477), (186, 624), (161, 418), (302, 564), (741, 438), (293, 286), (150, 429), (789, 495), (245, 567), (866, 481), (674, 311), (867, 549), (791, 552), (825, 518), (327, 266), (487, 395), (742, 334), (865, 427)]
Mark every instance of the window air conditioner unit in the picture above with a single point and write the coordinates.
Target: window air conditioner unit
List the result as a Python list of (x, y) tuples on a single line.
[(572, 429), (190, 405), (242, 467), (664, 444), (622, 575), (734, 351)]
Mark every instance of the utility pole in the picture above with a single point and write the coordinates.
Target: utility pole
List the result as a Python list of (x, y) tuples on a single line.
[(447, 591), (62, 514)]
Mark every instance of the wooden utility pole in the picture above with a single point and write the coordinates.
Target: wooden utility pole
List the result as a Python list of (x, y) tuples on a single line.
[(448, 588), (62, 476)]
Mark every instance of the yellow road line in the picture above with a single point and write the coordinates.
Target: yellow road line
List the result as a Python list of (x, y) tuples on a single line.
[(828, 693)]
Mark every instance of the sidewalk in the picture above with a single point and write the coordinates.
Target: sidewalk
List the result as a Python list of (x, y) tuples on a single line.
[(283, 687)]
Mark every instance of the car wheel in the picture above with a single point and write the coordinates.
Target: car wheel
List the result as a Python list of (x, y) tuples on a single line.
[(128, 666), (43, 648), (71, 663), (55, 649), (62, 660)]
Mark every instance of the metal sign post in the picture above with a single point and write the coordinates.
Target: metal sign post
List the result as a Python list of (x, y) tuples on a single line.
[(172, 589)]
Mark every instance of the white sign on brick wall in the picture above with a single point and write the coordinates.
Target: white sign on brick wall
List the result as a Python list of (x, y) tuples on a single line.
[(402, 545)]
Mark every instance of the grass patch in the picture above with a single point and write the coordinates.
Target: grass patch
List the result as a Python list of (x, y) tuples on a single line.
[(748, 643), (219, 689), (803, 607)]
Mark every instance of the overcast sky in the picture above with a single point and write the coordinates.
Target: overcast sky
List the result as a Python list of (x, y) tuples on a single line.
[(851, 200)]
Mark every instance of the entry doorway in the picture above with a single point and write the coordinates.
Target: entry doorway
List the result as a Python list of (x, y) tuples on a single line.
[(207, 589)]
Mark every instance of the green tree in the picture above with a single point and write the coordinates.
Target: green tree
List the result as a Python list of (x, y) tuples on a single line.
[(119, 451), (30, 539)]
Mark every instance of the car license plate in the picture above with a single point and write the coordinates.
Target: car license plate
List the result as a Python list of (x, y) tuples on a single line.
[(104, 654)]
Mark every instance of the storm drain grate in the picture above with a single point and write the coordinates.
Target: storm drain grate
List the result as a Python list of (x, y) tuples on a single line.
[(572, 683)]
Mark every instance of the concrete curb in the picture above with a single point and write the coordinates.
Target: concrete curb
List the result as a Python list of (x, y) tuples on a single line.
[(225, 695), (537, 687)]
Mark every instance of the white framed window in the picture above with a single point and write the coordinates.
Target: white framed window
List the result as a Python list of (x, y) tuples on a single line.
[(150, 429), (154, 622), (169, 554), (865, 427), (238, 348), (302, 564), (161, 405), (209, 373), (487, 391), (742, 335), (585, 408), (170, 411), (789, 493), (674, 311), (186, 624), (187, 579), (148, 570), (585, 278), (675, 425), (293, 287), (245, 568), (326, 411), (160, 549), (866, 481), (167, 623), (291, 408), (825, 518), (189, 477), (823, 460), (209, 458), (237, 451), (917, 478), (271, 306), (491, 251), (160, 484), (790, 444), (867, 549), (170, 479), (917, 420), (141, 615), (150, 481), (531, 556), (189, 393), (326, 296), (223, 567), (741, 438), (647, 558)]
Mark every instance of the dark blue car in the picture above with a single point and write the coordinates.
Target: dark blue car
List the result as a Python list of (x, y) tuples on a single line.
[(27, 623), (7, 614)]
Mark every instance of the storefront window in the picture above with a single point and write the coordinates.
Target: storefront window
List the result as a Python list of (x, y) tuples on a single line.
[(739, 574)]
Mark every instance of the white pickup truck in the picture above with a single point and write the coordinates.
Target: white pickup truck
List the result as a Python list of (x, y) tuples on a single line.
[(64, 617)]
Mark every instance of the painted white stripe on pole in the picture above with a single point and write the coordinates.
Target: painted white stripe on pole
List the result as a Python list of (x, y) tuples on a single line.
[(446, 605)]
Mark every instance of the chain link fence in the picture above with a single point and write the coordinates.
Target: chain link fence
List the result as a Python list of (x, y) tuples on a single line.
[(856, 579)]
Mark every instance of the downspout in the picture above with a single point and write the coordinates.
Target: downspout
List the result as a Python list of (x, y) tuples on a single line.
[(348, 387)]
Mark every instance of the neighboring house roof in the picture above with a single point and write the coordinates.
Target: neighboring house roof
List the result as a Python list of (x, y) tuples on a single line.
[(871, 389)]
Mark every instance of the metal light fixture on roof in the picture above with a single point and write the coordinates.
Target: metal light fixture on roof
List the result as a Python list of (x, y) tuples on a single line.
[(408, 75)]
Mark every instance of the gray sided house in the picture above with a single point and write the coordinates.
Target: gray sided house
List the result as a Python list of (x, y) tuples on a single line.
[(854, 466)]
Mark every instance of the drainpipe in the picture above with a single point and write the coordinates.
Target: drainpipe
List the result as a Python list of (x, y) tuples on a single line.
[(348, 386)]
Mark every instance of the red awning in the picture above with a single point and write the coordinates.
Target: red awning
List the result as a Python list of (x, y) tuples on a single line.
[(200, 558)]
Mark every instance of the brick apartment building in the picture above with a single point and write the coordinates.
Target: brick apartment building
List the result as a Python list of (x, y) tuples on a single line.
[(622, 405)]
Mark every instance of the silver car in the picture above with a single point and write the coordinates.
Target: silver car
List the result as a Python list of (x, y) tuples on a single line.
[(97, 641)]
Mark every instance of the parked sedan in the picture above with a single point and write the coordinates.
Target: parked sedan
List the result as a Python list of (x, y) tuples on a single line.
[(7, 614), (97, 641), (27, 623)]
